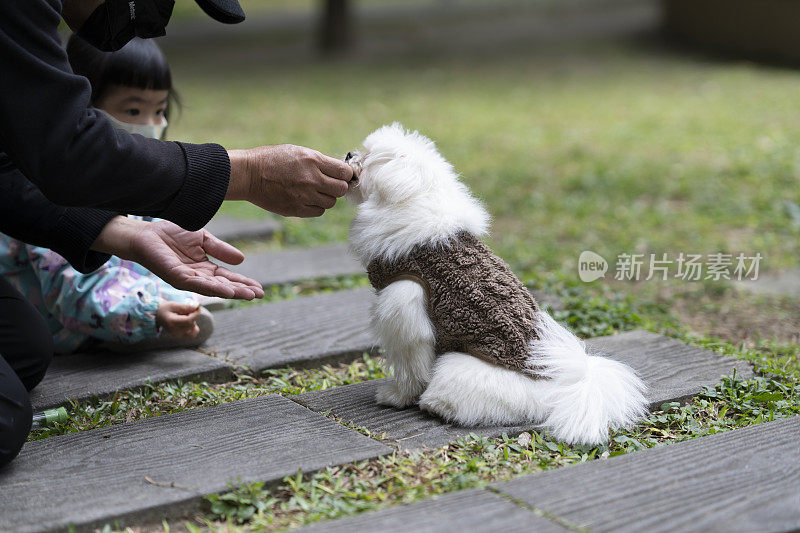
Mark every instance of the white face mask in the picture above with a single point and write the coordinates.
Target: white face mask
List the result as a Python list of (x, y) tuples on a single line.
[(153, 131)]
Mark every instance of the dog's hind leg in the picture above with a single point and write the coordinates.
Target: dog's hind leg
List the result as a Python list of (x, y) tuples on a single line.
[(406, 334), (468, 391)]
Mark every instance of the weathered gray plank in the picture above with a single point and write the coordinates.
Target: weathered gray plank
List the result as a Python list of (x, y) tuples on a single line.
[(476, 510), (308, 330), (91, 478), (81, 376), (672, 369), (232, 229), (411, 427), (302, 331), (743, 480), (290, 265)]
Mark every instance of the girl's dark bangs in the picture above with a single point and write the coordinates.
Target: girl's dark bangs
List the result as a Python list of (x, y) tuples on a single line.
[(139, 64)]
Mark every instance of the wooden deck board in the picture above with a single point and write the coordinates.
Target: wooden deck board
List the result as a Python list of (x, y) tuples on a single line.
[(476, 510), (230, 228), (292, 265), (742, 480), (81, 376), (672, 369), (301, 331), (95, 477)]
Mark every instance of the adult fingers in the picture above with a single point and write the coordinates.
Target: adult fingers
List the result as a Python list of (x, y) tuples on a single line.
[(221, 250), (240, 282), (187, 279), (310, 211), (332, 187), (242, 291), (324, 201), (335, 168)]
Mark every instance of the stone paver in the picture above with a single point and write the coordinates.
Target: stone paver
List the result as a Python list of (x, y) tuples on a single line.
[(672, 369), (476, 510), (81, 376), (411, 427), (302, 331), (162, 466), (743, 480), (290, 265), (232, 229)]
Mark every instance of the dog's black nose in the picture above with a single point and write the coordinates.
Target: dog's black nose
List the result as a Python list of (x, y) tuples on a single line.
[(349, 156)]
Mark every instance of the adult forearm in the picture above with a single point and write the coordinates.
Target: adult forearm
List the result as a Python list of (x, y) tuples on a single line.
[(239, 184), (117, 237)]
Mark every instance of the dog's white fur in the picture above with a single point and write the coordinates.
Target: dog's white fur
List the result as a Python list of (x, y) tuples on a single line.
[(408, 194)]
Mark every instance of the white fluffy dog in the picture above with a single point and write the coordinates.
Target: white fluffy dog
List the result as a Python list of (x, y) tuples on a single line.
[(410, 202)]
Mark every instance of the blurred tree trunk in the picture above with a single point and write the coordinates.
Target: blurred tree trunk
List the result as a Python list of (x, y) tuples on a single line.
[(335, 27)]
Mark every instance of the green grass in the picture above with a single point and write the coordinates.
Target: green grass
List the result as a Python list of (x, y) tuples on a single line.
[(614, 150)]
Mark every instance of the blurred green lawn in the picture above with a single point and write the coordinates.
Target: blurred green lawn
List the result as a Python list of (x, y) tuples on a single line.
[(611, 148)]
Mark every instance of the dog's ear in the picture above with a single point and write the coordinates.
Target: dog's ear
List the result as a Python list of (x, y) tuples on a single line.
[(398, 180)]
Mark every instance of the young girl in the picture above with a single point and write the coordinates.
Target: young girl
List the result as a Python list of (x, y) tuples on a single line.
[(122, 305)]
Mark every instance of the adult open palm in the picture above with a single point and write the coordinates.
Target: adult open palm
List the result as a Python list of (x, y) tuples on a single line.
[(178, 256), (181, 258)]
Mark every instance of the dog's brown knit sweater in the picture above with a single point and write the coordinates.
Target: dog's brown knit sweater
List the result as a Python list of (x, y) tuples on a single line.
[(476, 304)]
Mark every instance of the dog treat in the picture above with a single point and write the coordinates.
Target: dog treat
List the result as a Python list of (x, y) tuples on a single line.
[(354, 161)]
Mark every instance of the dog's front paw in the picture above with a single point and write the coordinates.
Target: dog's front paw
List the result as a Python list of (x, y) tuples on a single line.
[(390, 394)]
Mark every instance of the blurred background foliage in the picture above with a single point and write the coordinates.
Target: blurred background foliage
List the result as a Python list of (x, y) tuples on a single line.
[(578, 123)]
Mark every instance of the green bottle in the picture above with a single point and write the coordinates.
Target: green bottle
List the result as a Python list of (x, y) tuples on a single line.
[(49, 417)]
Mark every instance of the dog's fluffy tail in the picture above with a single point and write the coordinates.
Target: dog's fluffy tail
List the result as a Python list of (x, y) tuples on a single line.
[(588, 394), (583, 396)]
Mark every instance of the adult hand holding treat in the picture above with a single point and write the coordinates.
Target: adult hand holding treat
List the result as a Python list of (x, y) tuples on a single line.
[(288, 180)]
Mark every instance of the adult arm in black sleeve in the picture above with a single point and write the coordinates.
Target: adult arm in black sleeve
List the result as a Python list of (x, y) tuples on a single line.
[(73, 154), (27, 215), (178, 256)]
